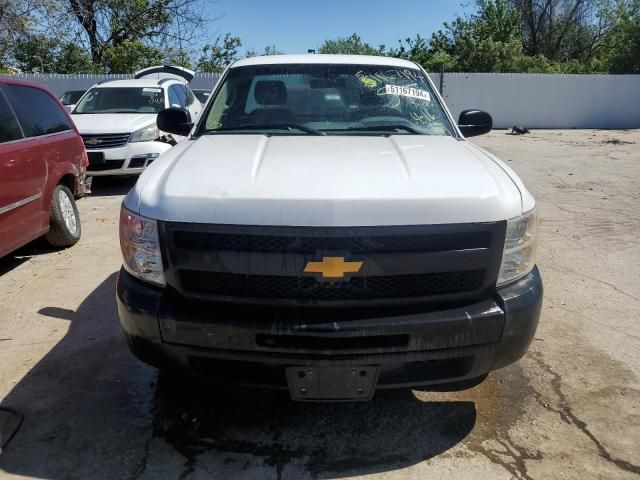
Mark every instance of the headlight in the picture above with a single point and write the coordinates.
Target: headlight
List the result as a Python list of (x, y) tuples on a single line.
[(140, 247), (518, 258), (145, 134)]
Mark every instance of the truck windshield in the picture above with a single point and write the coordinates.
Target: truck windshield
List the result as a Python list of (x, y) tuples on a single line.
[(326, 99), (121, 100)]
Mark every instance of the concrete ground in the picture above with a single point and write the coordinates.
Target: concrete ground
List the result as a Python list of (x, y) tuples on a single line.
[(569, 409)]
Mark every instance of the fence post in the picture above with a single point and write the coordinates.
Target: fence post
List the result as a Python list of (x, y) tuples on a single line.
[(441, 80)]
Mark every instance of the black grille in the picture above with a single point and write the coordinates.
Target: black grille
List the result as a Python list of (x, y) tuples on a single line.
[(301, 342), (107, 140), (308, 288), (136, 162), (107, 165), (437, 242), (265, 264)]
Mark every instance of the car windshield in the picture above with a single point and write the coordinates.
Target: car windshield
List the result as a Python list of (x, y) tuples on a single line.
[(71, 97), (326, 99), (121, 100)]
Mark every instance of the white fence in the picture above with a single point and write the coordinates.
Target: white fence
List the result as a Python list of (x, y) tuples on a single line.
[(60, 83), (529, 100), (547, 101)]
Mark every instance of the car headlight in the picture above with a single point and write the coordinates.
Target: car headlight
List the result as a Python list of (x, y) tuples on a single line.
[(145, 134), (140, 247), (518, 257)]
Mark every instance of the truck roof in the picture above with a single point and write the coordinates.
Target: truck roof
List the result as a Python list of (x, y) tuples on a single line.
[(324, 59)]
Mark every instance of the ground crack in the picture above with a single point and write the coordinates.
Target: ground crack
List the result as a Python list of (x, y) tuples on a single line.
[(517, 467), (142, 464), (567, 415)]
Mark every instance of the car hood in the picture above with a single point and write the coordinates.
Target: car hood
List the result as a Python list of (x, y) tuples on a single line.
[(112, 122), (326, 181)]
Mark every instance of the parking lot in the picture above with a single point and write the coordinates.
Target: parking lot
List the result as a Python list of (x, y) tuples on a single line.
[(569, 409)]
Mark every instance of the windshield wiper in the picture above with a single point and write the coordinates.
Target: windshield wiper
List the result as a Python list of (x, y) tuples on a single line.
[(385, 127), (275, 126)]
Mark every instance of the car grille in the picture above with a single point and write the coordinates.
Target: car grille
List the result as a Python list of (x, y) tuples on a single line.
[(353, 244), (308, 288), (107, 165), (107, 140), (266, 264)]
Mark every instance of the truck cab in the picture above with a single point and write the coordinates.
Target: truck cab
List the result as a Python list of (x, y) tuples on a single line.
[(327, 228)]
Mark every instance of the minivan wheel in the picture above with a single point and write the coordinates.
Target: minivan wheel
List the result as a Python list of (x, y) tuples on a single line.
[(64, 228)]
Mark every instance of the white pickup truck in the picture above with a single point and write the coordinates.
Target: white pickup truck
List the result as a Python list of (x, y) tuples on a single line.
[(327, 228)]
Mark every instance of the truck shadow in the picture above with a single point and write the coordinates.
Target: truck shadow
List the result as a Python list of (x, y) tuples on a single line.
[(394, 430), (91, 410)]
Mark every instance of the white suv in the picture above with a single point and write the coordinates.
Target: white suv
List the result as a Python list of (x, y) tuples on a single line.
[(117, 119)]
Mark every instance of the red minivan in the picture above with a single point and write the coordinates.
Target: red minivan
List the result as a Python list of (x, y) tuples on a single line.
[(42, 165)]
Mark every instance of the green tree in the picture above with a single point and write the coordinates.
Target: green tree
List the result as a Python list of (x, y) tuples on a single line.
[(71, 58), (417, 49), (352, 45), (497, 20), (130, 55), (268, 50), (489, 40), (563, 30), (45, 54), (109, 28), (220, 54), (16, 22), (178, 56), (35, 53), (624, 41), (564, 36), (486, 41)]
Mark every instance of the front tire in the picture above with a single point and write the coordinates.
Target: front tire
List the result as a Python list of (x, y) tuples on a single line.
[(64, 229)]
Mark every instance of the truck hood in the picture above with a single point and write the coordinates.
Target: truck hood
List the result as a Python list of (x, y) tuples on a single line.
[(326, 181), (112, 122)]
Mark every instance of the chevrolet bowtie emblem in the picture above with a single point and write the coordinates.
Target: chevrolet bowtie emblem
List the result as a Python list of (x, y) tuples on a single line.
[(93, 141), (332, 267)]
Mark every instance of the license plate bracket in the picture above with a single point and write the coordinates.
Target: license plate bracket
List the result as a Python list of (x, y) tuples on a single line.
[(311, 383)]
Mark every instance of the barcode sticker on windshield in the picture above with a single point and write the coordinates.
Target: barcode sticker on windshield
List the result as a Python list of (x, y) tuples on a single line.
[(153, 90), (407, 92)]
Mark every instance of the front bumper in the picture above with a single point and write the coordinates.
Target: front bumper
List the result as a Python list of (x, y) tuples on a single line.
[(254, 346), (131, 159)]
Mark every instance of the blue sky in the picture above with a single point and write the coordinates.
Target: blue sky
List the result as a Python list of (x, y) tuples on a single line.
[(295, 26)]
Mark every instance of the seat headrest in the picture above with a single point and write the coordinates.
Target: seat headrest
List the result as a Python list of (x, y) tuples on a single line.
[(270, 92)]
